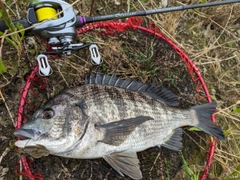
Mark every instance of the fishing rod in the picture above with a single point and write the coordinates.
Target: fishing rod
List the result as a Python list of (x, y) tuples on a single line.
[(56, 21), (37, 10), (157, 11)]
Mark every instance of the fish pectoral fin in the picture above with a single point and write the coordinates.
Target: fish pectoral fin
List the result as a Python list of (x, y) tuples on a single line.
[(175, 140), (125, 163), (115, 133)]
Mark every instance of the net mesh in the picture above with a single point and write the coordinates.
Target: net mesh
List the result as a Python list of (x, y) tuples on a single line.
[(128, 50)]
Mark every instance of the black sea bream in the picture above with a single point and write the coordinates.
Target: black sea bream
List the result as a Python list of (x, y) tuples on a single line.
[(113, 119)]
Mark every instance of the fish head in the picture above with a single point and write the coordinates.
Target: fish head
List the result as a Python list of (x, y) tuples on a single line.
[(56, 127)]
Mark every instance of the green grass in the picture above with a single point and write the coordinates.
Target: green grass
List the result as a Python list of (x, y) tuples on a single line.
[(193, 174), (15, 39)]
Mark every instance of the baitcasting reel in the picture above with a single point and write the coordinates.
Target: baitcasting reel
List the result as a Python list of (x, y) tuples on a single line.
[(55, 21), (60, 18)]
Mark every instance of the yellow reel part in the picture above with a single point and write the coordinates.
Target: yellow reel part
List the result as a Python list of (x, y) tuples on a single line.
[(46, 13)]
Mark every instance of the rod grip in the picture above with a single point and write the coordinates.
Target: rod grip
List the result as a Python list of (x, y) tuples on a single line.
[(24, 22)]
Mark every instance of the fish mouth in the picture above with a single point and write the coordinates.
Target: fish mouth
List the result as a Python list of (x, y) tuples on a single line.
[(27, 144), (27, 137), (25, 134)]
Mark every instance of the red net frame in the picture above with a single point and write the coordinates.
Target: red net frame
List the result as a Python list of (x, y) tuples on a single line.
[(111, 28)]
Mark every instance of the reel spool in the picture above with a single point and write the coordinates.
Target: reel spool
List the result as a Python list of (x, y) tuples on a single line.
[(46, 12)]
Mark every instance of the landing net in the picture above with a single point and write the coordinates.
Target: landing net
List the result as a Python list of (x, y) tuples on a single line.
[(133, 50)]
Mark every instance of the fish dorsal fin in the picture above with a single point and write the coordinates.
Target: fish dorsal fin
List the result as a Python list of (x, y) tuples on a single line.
[(115, 133), (175, 141), (161, 93), (125, 163), (153, 90)]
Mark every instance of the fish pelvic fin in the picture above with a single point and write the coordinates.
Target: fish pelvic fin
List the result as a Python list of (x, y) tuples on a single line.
[(203, 114), (125, 163)]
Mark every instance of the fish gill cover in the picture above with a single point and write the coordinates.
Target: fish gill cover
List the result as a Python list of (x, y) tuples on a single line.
[(127, 52)]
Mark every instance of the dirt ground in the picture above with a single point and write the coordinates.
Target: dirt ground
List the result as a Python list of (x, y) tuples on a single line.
[(210, 37)]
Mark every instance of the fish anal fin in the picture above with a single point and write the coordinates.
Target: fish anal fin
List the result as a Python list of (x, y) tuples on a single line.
[(125, 163), (175, 140), (115, 133)]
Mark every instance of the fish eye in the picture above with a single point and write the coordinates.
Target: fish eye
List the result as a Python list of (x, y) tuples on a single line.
[(47, 113)]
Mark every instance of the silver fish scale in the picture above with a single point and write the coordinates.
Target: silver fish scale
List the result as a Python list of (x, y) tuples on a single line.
[(151, 133), (122, 104), (115, 104)]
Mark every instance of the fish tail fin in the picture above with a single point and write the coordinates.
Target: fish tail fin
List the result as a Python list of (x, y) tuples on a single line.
[(203, 114)]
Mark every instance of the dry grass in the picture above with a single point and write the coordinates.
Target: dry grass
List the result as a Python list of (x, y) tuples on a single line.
[(213, 45), (210, 36)]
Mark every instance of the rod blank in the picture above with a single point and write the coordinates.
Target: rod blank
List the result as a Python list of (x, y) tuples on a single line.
[(156, 11)]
